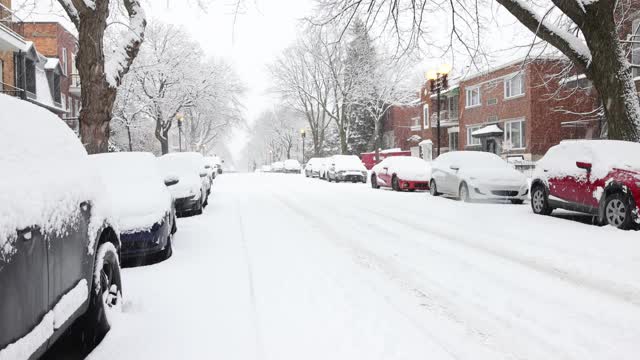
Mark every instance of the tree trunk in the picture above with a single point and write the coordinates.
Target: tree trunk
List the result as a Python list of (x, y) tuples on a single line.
[(129, 135), (97, 96), (611, 76), (343, 140)]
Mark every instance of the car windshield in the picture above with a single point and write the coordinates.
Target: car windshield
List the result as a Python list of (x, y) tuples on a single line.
[(476, 160)]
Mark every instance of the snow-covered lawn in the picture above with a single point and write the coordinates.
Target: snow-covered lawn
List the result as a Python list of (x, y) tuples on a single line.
[(284, 267)]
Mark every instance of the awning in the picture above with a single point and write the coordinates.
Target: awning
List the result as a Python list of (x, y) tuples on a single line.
[(489, 130), (414, 138)]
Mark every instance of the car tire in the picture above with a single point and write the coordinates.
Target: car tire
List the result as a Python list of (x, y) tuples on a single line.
[(540, 201), (517, 201), (206, 202), (198, 209), (395, 185), (617, 211), (174, 227), (105, 297), (168, 249), (463, 193), (433, 188), (374, 182)]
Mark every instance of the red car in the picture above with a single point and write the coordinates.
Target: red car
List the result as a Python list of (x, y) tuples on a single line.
[(369, 159), (401, 173), (599, 177)]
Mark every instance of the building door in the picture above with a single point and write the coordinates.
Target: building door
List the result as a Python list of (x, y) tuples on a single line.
[(453, 141), (490, 146)]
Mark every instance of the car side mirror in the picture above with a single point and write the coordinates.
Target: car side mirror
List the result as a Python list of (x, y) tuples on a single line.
[(203, 174), (170, 181), (584, 165), (454, 167)]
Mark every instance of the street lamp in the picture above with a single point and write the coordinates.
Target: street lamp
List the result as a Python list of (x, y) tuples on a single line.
[(180, 119), (304, 135), (438, 82)]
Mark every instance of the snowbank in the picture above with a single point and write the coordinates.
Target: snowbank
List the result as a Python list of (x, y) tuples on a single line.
[(135, 187), (46, 174)]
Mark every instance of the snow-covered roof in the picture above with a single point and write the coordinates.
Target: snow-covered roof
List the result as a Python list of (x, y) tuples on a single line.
[(52, 64), (508, 64), (447, 91), (415, 138), (487, 130), (572, 78)]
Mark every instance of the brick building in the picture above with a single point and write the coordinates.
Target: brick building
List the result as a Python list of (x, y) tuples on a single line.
[(55, 42), (398, 122), (11, 41)]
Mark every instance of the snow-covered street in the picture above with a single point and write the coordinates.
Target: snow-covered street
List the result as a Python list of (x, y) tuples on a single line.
[(284, 267)]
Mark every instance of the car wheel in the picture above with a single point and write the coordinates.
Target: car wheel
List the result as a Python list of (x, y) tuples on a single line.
[(168, 249), (174, 227), (206, 201), (539, 201), (463, 193), (374, 182), (395, 185), (617, 211), (433, 188), (198, 209), (517, 201), (105, 296)]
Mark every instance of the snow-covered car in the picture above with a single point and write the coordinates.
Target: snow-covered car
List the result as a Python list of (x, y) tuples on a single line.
[(477, 175), (59, 250), (323, 168), (266, 168), (401, 173), (312, 169), (292, 166), (211, 164), (598, 177), (346, 168), (190, 191), (142, 204), (277, 166)]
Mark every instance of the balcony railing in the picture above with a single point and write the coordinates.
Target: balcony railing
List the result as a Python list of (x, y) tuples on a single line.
[(9, 21), (446, 117)]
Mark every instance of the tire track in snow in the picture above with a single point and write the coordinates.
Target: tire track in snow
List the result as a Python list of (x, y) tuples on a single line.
[(260, 353)]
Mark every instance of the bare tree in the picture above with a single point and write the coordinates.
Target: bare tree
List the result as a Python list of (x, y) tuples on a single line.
[(587, 32), (100, 74)]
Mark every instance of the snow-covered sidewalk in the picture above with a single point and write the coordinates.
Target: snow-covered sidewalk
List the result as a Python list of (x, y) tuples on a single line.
[(284, 267)]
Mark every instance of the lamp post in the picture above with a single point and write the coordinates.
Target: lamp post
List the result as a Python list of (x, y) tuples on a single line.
[(438, 82), (304, 135), (180, 119)]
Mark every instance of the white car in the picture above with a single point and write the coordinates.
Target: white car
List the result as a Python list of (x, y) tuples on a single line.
[(292, 166), (277, 166), (212, 166), (190, 192), (346, 168), (323, 168), (476, 175), (142, 204), (313, 167), (401, 173)]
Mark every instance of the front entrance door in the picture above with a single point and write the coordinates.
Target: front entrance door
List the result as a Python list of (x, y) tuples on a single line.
[(490, 146)]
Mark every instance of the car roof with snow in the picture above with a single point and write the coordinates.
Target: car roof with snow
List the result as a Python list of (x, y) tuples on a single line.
[(471, 159)]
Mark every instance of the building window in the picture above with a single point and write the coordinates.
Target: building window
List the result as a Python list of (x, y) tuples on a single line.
[(514, 135), (635, 48), (453, 141), (473, 97), (472, 141), (492, 101), (514, 86), (63, 61), (425, 114)]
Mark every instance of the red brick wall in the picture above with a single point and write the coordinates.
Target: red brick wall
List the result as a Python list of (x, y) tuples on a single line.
[(399, 120)]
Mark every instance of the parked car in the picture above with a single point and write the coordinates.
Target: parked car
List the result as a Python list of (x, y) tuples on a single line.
[(58, 249), (142, 204), (598, 177), (346, 168), (277, 166), (292, 166), (212, 162), (189, 192), (477, 175), (369, 158), (401, 173), (323, 168), (313, 167)]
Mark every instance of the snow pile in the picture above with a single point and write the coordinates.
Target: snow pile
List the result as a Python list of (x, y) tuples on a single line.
[(406, 167), (185, 167), (347, 163), (136, 189), (46, 174)]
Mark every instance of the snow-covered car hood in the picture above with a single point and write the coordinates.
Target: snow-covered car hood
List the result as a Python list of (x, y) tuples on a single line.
[(498, 176)]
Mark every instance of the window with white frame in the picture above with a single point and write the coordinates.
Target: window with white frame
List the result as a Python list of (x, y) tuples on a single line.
[(473, 141), (635, 48), (514, 86), (514, 134), (425, 115), (63, 61), (473, 96)]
